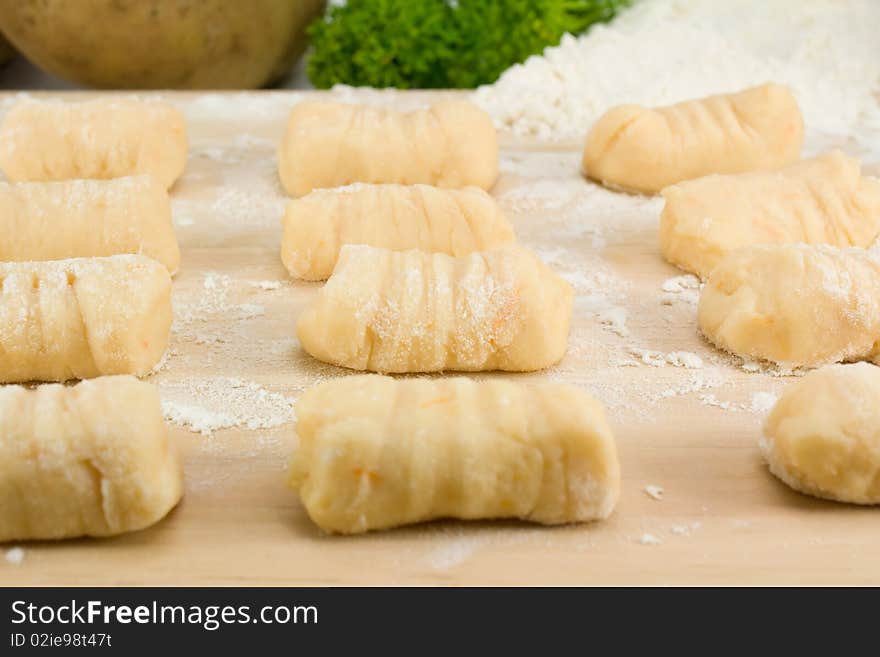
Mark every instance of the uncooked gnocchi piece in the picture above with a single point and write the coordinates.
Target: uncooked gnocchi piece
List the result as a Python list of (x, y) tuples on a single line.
[(823, 436), (451, 144), (81, 318), (825, 200), (93, 459), (411, 311), (82, 218), (794, 304), (375, 452), (644, 150), (397, 217), (104, 138)]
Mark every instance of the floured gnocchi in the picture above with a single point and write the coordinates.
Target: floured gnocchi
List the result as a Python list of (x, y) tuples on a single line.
[(823, 435), (644, 150)]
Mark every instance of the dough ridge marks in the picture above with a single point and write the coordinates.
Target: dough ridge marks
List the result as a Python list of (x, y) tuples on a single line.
[(824, 200), (87, 460), (87, 218), (375, 452), (646, 149), (453, 144), (115, 318), (104, 138), (795, 305), (501, 309), (397, 217)]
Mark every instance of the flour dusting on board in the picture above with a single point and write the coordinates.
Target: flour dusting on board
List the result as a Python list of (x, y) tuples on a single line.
[(205, 405), (213, 300), (14, 556)]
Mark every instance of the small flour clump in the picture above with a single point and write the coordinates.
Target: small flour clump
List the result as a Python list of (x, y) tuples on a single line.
[(213, 403), (708, 399), (685, 530), (15, 556), (763, 402), (454, 552), (684, 359), (212, 300), (660, 52), (268, 285), (654, 492), (684, 289), (614, 319), (649, 539), (703, 380)]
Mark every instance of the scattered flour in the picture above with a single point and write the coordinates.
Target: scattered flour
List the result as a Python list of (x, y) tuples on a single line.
[(212, 403), (708, 399), (15, 556), (452, 553), (230, 107), (212, 300), (532, 164), (683, 289), (268, 285), (708, 378), (684, 359), (685, 530), (654, 492), (614, 319), (772, 369), (241, 207), (763, 402), (649, 539)]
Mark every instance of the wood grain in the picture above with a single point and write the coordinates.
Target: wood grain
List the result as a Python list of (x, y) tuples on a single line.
[(723, 518)]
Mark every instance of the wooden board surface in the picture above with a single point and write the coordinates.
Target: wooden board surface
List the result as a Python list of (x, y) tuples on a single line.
[(692, 431)]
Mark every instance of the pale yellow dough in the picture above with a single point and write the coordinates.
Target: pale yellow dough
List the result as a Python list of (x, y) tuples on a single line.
[(795, 305), (375, 452), (397, 217), (643, 149), (411, 311), (825, 200), (89, 460), (82, 218), (81, 318), (104, 138), (451, 144), (823, 436)]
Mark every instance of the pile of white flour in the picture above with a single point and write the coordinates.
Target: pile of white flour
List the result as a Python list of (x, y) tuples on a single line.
[(665, 51)]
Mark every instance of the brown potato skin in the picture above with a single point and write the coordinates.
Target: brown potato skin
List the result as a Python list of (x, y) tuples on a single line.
[(7, 52), (161, 44)]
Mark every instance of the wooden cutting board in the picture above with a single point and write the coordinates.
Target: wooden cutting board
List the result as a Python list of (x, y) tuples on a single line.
[(723, 519)]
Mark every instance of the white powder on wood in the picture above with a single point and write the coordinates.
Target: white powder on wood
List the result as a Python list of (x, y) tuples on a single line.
[(15, 556), (709, 399), (268, 285), (614, 319), (455, 552), (654, 492), (683, 289), (209, 404), (763, 402), (650, 539), (686, 359), (212, 300), (685, 530), (710, 378)]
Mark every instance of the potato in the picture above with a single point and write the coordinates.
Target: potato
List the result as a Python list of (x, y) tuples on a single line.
[(132, 44), (7, 52)]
